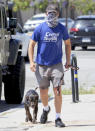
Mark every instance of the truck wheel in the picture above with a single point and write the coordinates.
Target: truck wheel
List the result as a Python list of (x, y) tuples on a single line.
[(84, 47), (15, 82), (0, 82), (72, 47)]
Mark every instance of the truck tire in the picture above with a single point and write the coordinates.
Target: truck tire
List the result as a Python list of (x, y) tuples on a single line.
[(72, 47), (84, 47), (15, 82), (0, 82)]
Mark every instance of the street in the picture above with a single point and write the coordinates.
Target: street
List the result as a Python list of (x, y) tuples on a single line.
[(86, 79)]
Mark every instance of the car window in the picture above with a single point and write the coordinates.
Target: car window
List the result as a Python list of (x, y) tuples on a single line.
[(64, 20), (37, 18), (84, 23), (69, 20), (19, 28)]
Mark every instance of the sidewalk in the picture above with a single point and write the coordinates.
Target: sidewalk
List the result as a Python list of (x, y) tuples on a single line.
[(77, 116)]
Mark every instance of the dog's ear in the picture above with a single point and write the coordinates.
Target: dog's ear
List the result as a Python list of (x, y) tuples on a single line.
[(27, 98), (36, 88)]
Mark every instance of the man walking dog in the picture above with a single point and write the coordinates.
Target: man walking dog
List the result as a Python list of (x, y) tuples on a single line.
[(48, 67)]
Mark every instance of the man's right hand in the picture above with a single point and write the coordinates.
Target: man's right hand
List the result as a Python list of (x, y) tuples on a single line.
[(33, 66)]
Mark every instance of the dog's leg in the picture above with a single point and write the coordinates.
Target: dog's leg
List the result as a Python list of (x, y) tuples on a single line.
[(28, 115), (35, 111)]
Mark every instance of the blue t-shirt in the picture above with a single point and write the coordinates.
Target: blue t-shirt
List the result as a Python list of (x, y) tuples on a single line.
[(49, 51)]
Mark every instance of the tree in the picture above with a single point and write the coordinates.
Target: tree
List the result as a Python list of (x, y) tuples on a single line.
[(85, 6), (24, 4), (21, 4), (42, 4)]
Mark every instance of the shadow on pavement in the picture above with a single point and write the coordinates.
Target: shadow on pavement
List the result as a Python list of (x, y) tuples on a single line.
[(81, 125), (4, 106)]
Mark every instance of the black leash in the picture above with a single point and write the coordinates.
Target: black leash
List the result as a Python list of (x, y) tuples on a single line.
[(73, 68)]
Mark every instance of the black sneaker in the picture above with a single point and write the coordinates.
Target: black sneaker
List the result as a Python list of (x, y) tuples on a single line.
[(44, 116), (59, 123)]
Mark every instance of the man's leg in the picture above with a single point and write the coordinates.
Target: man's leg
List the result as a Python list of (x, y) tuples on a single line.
[(58, 100), (43, 81), (44, 96), (58, 105), (46, 109)]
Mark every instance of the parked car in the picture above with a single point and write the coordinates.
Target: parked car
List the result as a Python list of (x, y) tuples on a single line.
[(82, 32), (24, 38), (33, 22), (70, 22), (21, 35)]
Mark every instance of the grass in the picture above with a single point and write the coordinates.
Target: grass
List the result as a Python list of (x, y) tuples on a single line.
[(82, 91), (67, 91)]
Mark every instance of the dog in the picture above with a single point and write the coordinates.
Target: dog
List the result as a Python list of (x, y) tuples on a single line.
[(31, 100)]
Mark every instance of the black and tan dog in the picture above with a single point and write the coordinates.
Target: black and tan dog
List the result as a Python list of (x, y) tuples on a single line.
[(31, 100)]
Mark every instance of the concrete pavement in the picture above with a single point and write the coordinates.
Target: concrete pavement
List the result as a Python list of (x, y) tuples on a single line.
[(77, 116)]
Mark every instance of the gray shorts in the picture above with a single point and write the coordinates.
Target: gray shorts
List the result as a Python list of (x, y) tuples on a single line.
[(45, 74)]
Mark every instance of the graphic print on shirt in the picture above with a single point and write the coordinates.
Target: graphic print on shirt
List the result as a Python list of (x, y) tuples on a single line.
[(51, 37)]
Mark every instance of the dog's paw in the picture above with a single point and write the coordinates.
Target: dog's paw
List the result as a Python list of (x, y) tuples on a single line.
[(34, 122), (30, 119), (26, 120)]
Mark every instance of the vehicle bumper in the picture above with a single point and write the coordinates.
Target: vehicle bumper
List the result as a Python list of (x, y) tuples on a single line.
[(78, 41)]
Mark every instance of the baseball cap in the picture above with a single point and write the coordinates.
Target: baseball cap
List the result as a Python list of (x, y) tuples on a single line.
[(52, 8)]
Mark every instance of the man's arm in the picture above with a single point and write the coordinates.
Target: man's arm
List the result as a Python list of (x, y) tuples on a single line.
[(68, 52), (31, 55)]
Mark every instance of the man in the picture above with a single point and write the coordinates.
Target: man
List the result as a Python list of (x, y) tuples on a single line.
[(48, 67)]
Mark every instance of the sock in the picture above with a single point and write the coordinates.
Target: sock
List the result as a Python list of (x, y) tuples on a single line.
[(57, 115), (46, 108)]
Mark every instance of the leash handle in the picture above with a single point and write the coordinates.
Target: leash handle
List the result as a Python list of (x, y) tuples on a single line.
[(74, 67)]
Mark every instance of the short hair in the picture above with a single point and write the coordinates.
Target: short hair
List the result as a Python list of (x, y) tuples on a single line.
[(52, 7)]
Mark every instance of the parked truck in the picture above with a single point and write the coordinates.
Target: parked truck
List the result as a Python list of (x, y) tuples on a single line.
[(12, 64)]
